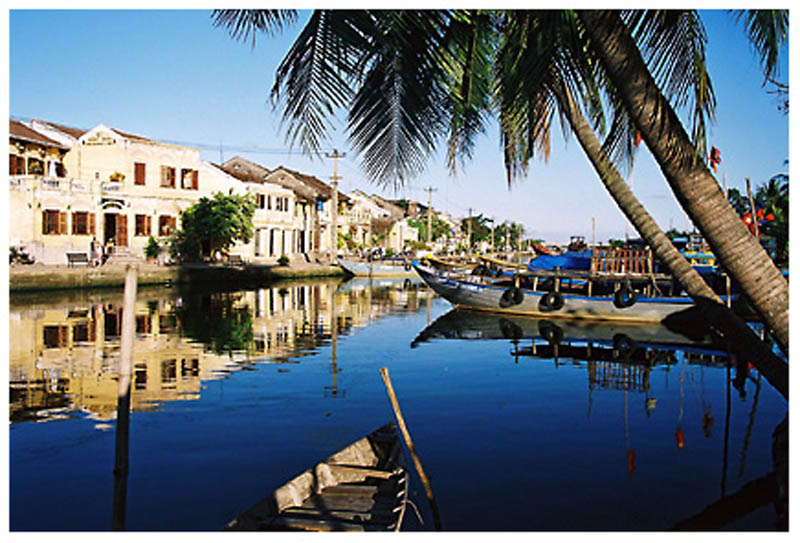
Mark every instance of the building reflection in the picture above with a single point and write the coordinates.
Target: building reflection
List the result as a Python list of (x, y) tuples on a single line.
[(64, 354)]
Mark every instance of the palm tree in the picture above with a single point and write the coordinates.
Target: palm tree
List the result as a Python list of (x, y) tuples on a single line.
[(421, 74), (688, 176)]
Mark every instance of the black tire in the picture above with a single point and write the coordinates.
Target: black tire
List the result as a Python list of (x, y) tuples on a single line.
[(511, 296), (509, 329), (407, 284), (623, 345), (625, 297), (551, 332), (551, 301), (407, 266)]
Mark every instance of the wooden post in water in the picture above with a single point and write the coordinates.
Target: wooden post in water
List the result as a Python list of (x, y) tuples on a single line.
[(401, 423), (124, 399)]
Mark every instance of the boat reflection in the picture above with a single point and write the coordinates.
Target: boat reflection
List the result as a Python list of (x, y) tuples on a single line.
[(622, 357), (66, 346)]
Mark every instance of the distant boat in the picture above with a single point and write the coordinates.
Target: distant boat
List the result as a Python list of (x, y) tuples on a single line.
[(363, 487), (505, 296), (381, 268)]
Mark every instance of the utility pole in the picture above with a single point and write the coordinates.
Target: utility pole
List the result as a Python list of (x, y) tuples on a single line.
[(492, 236), (430, 190), (469, 233), (335, 209)]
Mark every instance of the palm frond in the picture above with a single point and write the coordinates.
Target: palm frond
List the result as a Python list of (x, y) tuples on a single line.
[(316, 76), (767, 30), (247, 23), (398, 111)]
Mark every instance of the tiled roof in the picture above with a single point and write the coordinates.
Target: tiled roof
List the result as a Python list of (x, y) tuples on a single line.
[(74, 132), (20, 131), (319, 186)]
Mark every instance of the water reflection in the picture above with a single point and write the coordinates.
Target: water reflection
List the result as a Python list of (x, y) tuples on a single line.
[(624, 357), (65, 350)]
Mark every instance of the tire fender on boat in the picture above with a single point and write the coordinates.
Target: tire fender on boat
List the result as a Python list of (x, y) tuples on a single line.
[(625, 297), (551, 301), (511, 296), (407, 266)]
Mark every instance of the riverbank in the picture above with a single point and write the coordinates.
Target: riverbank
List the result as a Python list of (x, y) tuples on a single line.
[(36, 277)]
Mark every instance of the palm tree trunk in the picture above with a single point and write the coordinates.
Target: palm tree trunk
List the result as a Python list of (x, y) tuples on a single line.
[(740, 337), (691, 181)]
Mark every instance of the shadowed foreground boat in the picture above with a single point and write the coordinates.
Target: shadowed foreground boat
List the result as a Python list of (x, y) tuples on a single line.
[(363, 487)]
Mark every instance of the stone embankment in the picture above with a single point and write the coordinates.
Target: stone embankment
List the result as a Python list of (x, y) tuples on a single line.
[(36, 277)]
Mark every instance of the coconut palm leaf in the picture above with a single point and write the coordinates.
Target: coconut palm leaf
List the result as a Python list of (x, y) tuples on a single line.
[(247, 23), (768, 30), (398, 112)]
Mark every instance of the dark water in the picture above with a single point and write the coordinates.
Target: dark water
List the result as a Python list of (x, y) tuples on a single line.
[(234, 393)]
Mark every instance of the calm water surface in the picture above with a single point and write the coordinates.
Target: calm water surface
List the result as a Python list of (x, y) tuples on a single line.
[(520, 424)]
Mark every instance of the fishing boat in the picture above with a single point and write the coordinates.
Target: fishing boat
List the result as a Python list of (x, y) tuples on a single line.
[(542, 294), (363, 487), (378, 268)]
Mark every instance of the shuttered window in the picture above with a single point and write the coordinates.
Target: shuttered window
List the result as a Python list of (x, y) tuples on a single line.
[(144, 225), (54, 222), (168, 177), (82, 223), (138, 173)]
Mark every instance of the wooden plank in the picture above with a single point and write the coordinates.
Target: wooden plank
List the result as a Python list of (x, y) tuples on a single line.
[(311, 525), (383, 517)]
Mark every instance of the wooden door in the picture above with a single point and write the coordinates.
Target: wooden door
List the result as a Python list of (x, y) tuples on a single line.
[(122, 231)]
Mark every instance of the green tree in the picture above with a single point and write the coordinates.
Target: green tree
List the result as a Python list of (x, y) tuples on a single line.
[(213, 224), (439, 228), (773, 197)]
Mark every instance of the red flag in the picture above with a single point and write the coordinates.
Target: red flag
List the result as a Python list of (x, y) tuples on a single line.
[(715, 158), (638, 139)]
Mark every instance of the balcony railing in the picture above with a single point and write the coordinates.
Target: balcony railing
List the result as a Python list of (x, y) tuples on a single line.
[(111, 186)]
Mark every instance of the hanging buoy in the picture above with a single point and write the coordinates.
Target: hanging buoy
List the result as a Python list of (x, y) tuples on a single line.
[(623, 344)]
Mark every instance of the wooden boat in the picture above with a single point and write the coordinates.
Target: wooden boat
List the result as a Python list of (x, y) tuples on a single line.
[(377, 268), (507, 297), (363, 487)]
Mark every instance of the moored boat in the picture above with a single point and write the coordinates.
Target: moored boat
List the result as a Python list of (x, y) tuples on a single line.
[(377, 268), (363, 487), (506, 296)]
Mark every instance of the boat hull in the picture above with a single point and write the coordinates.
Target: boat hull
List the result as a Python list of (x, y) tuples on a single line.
[(487, 297), (376, 269)]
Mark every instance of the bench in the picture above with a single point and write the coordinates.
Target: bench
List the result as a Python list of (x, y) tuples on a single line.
[(77, 258), (235, 260)]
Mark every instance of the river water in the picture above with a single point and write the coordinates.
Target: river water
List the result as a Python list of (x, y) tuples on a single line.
[(520, 424)]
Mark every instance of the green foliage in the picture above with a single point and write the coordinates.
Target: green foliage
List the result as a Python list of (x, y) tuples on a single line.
[(774, 198), (219, 221), (152, 249), (217, 321), (283, 260), (389, 252), (439, 228)]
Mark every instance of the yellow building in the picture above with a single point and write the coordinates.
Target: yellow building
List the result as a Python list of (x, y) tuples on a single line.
[(69, 187)]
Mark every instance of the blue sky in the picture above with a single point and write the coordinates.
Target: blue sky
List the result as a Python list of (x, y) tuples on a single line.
[(173, 76)]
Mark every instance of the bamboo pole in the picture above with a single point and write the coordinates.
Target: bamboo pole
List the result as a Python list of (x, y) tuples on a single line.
[(124, 400), (410, 444), (752, 208)]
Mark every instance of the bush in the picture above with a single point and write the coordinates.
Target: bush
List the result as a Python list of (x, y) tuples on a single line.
[(283, 260), (152, 249)]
